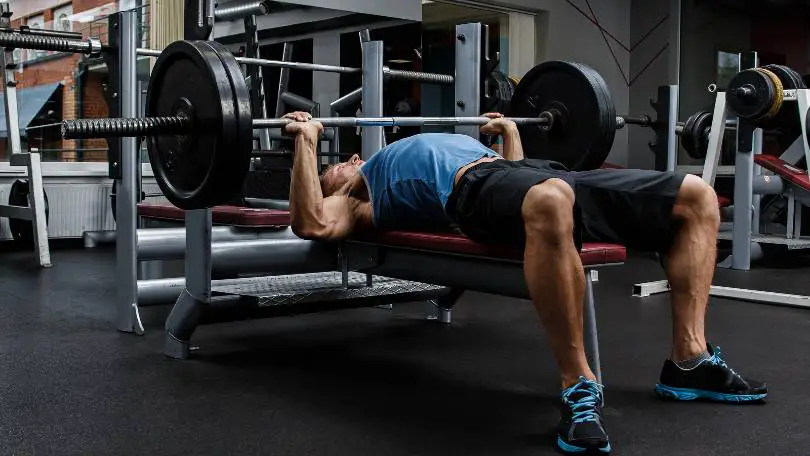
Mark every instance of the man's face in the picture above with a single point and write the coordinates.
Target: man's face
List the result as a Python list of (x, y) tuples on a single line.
[(338, 175)]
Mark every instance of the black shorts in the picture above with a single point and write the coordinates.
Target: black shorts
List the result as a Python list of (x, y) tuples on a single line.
[(630, 207)]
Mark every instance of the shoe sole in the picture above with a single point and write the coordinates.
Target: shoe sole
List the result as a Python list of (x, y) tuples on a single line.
[(568, 448), (689, 394)]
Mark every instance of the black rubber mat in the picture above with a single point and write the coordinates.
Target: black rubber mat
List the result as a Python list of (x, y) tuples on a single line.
[(372, 381)]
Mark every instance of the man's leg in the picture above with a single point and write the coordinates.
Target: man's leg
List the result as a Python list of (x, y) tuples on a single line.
[(690, 265), (555, 276), (556, 281), (695, 370)]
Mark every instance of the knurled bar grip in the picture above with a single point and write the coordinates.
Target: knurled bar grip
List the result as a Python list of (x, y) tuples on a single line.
[(91, 46)]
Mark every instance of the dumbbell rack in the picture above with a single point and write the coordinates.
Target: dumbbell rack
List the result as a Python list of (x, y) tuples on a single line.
[(35, 211), (749, 186)]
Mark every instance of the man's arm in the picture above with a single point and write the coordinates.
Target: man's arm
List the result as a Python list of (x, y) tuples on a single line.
[(312, 215), (498, 125), (512, 147)]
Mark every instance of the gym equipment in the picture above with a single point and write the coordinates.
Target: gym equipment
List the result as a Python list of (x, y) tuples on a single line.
[(756, 94), (22, 230), (27, 216), (695, 134), (581, 116), (199, 127)]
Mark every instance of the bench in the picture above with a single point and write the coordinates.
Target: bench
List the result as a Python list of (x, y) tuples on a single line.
[(592, 254), (438, 259), (785, 170)]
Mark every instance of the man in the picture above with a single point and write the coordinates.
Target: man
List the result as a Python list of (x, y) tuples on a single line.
[(433, 181)]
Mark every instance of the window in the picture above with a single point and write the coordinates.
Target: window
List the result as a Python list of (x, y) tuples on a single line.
[(62, 18), (35, 22)]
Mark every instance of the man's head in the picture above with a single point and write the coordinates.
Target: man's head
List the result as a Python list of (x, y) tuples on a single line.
[(336, 176)]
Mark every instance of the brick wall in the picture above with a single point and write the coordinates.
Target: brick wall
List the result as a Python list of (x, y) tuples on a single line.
[(63, 68)]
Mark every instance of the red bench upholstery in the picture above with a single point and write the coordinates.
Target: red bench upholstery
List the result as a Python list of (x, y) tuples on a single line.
[(592, 253), (792, 174), (220, 215)]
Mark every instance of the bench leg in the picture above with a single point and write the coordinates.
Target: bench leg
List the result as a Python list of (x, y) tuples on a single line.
[(180, 325), (591, 335), (441, 309)]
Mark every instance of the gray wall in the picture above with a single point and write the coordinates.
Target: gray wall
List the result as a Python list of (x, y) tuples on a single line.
[(651, 66), (562, 33), (705, 31)]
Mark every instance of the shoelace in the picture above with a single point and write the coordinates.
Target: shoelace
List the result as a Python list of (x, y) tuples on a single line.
[(584, 408), (718, 360)]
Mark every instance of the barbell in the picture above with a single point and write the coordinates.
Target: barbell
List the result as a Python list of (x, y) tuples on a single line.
[(199, 126)]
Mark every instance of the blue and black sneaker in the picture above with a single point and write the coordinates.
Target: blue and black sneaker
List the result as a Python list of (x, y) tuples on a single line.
[(712, 380), (581, 429)]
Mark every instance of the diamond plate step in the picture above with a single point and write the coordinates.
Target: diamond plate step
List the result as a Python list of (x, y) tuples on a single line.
[(791, 244), (326, 287)]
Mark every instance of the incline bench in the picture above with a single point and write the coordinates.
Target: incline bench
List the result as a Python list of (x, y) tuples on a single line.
[(445, 259)]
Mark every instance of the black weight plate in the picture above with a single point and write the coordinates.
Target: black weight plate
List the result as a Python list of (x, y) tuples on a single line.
[(238, 161), (608, 115), (582, 137), (786, 121), (756, 105), (23, 230), (688, 140), (700, 132), (186, 166)]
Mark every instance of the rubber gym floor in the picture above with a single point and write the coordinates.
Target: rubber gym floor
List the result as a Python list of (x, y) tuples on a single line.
[(372, 381)]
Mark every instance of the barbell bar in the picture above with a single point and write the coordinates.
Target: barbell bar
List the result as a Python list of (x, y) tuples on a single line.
[(182, 125), (418, 76)]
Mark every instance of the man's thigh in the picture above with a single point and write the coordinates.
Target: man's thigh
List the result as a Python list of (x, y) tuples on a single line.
[(628, 206), (492, 210)]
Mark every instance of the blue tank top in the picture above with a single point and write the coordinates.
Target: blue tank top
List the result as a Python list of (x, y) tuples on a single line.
[(410, 180)]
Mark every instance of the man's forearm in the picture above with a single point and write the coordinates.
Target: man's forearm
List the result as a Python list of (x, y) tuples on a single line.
[(512, 148), (306, 197)]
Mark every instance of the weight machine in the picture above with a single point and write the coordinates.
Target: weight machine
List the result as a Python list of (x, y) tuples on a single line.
[(749, 185), (35, 211)]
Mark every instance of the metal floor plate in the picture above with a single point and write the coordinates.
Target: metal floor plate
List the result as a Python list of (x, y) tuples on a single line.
[(791, 244), (326, 286)]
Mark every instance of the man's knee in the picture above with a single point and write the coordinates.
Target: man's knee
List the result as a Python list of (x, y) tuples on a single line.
[(697, 202), (548, 210)]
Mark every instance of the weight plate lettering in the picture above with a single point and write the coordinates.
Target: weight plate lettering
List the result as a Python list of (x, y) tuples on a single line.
[(585, 117)]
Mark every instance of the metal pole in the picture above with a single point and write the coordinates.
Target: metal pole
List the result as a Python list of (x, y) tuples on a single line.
[(372, 96), (128, 317), (431, 78), (672, 138), (743, 184), (468, 75)]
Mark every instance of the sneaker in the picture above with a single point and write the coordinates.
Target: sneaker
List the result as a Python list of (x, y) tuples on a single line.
[(581, 429), (711, 380)]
